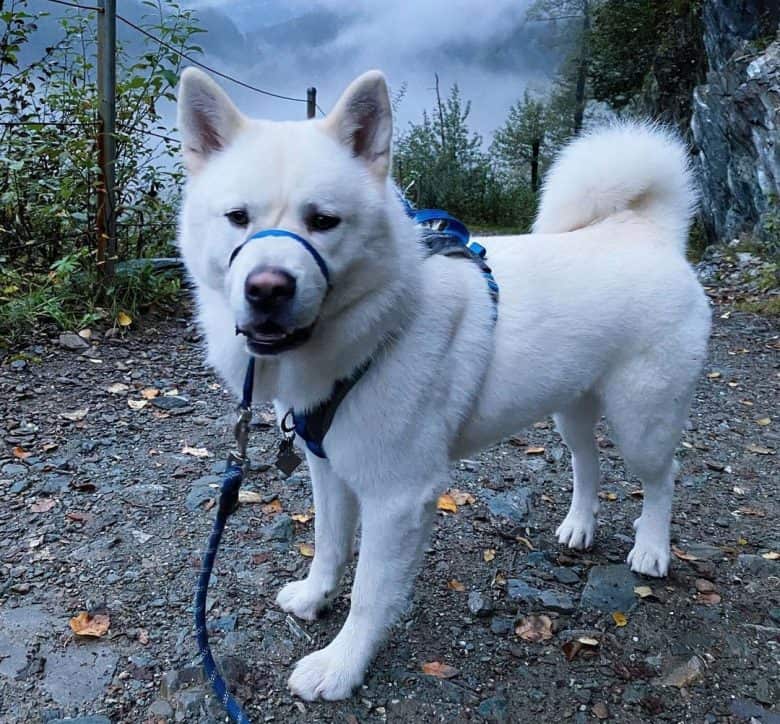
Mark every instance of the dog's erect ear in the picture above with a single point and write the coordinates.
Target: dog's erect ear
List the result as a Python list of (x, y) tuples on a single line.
[(207, 119), (363, 121)]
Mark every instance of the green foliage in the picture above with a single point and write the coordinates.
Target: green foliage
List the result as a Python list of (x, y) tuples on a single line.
[(48, 157), (647, 56)]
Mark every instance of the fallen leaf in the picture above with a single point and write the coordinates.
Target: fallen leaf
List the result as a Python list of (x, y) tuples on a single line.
[(78, 516), (249, 496), (196, 452), (643, 591), (638, 493), (746, 403), (149, 393), (447, 503), (709, 598), (600, 710), (49, 446), (759, 449), (137, 404), (604, 495), (455, 585), (527, 543), (713, 375), (763, 421), (86, 624), (143, 636), (439, 670), (43, 506), (462, 498), (75, 415), (306, 549), (547, 499), (714, 465), (686, 674), (741, 541), (756, 512), (535, 450), (20, 453), (683, 556), (583, 643), (123, 319), (535, 628), (488, 554), (619, 618), (272, 508), (118, 388), (771, 556), (302, 517)]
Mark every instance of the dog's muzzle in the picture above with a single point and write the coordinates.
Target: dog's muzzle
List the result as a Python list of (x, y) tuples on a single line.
[(268, 291)]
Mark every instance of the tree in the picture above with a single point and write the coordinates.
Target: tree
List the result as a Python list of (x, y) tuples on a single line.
[(518, 145)]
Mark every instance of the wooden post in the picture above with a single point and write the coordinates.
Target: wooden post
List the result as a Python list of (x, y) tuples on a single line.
[(106, 84), (311, 102)]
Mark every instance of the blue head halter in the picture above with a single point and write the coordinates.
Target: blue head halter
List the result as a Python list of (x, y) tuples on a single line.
[(323, 267)]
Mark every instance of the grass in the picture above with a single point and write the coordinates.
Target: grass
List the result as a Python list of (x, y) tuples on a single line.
[(765, 306), (70, 296)]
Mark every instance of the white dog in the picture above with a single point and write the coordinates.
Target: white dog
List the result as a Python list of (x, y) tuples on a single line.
[(599, 314)]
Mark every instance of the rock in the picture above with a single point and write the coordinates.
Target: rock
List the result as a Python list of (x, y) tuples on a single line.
[(95, 719), (18, 365), (494, 709), (512, 505), (610, 588), (198, 496), (160, 709), (538, 559), (501, 625), (565, 575), (80, 674), (72, 342), (14, 469), (750, 711), (763, 692), (189, 703), (480, 604), (171, 402), (517, 590), (736, 117), (554, 601), (281, 529), (757, 565), (19, 486)]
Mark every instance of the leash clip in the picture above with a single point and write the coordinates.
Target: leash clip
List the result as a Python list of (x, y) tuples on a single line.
[(241, 435)]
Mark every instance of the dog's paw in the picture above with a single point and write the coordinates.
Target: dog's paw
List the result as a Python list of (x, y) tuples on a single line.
[(650, 554), (304, 599), (329, 674), (577, 529)]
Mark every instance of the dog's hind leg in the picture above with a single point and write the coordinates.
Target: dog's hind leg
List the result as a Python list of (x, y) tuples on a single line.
[(646, 405), (336, 511), (394, 531), (575, 425)]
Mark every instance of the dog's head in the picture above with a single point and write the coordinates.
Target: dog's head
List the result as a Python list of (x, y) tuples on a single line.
[(323, 181)]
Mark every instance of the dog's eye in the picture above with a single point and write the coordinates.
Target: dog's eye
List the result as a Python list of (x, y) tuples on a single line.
[(238, 217), (322, 222)]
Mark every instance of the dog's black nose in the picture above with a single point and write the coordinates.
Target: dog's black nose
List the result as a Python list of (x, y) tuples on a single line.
[(267, 287)]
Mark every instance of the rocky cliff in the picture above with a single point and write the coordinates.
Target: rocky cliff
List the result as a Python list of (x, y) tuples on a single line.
[(736, 120)]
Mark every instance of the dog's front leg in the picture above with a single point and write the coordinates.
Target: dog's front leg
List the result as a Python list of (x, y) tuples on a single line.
[(394, 531), (335, 508)]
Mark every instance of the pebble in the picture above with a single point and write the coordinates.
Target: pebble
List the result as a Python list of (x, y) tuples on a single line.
[(82, 720), (160, 709), (480, 604), (18, 365), (281, 529), (757, 565), (501, 625), (72, 342), (565, 575), (513, 505)]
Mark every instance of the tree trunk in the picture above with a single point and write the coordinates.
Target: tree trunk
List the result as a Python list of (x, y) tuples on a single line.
[(535, 164), (582, 69)]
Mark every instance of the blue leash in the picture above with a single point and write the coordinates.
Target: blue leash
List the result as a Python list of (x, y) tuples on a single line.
[(228, 499)]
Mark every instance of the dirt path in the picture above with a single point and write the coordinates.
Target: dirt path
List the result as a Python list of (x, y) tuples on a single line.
[(109, 511)]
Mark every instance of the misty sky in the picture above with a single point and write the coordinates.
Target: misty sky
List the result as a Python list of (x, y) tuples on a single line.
[(286, 45)]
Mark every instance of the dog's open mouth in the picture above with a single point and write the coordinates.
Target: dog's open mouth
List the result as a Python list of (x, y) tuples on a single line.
[(270, 338)]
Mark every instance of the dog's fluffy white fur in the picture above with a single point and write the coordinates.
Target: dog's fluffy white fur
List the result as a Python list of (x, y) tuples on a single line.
[(600, 314)]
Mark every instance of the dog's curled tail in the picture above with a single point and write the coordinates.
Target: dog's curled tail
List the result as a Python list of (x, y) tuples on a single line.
[(628, 165)]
